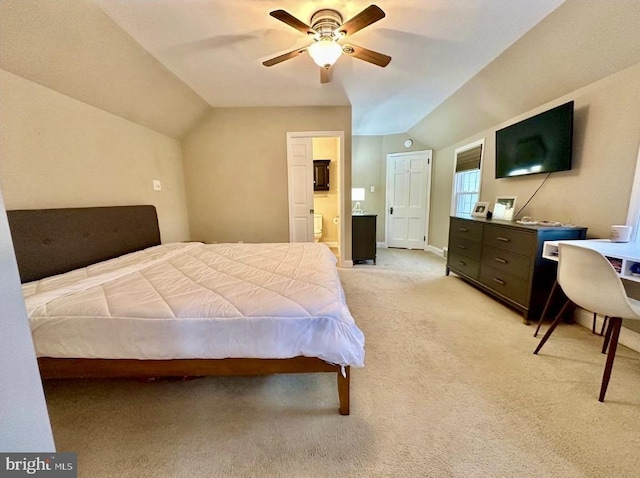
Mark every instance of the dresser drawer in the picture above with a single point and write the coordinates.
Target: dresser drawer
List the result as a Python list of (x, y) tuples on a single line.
[(464, 265), (522, 242), (505, 284), (506, 261), (470, 230), (465, 246)]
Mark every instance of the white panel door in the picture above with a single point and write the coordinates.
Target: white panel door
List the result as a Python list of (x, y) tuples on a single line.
[(408, 189), (300, 167)]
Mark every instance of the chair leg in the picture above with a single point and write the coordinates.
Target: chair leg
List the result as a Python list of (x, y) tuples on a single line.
[(604, 324), (546, 307), (615, 324), (607, 337), (552, 326), (593, 326)]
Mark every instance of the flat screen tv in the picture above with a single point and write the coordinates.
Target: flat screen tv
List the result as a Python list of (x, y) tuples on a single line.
[(540, 144)]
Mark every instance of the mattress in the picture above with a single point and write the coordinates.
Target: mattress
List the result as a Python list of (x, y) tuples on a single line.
[(193, 300)]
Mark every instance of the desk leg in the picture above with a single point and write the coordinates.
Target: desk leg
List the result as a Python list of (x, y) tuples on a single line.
[(546, 307)]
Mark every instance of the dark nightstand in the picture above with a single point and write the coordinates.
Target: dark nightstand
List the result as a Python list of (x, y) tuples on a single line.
[(363, 242)]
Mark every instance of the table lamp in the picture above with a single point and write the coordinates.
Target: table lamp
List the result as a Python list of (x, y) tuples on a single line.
[(357, 195)]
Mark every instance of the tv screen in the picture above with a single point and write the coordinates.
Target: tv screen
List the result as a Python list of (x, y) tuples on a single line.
[(540, 144)]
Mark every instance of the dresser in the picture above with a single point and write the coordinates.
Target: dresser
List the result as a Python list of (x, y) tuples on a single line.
[(363, 233), (504, 259)]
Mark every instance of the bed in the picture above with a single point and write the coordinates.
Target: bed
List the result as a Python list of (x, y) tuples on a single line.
[(106, 299)]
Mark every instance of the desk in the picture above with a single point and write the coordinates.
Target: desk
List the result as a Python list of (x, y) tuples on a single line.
[(622, 255)]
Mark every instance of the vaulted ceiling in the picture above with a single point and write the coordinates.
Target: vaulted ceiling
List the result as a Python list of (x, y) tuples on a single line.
[(217, 48), (164, 63)]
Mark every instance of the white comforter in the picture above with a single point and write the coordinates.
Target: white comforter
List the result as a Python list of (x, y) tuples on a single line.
[(199, 301)]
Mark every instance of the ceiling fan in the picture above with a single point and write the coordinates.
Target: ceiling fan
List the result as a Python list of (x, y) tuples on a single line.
[(328, 30)]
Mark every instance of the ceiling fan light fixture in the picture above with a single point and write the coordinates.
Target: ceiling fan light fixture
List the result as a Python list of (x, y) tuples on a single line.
[(325, 52)]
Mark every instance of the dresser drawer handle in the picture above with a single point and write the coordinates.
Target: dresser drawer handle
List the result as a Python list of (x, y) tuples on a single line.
[(503, 239), (462, 263), (499, 281), (500, 260), (461, 246), (464, 229)]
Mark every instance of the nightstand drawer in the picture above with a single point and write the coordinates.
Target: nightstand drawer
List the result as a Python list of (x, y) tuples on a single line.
[(505, 284), (464, 265), (510, 239), (506, 261), (468, 229), (465, 246)]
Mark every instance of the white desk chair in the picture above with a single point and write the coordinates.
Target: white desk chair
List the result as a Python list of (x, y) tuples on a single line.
[(589, 280)]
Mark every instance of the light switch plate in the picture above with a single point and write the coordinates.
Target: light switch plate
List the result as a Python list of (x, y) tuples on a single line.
[(157, 186), (373, 189)]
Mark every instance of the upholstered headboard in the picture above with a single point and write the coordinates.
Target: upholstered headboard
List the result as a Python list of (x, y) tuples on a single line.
[(53, 241)]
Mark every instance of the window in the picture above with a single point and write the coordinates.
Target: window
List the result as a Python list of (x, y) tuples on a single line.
[(466, 180)]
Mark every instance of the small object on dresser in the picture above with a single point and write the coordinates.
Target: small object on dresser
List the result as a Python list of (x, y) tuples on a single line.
[(480, 209)]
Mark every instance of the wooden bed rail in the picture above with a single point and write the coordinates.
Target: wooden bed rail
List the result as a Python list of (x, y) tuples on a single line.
[(56, 368)]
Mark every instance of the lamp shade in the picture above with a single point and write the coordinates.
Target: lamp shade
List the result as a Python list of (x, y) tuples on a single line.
[(357, 194), (325, 52)]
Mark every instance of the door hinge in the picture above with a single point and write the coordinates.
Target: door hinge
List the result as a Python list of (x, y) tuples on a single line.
[(424, 238)]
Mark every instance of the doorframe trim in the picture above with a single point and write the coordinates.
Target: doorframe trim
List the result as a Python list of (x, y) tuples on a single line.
[(341, 182), (429, 153)]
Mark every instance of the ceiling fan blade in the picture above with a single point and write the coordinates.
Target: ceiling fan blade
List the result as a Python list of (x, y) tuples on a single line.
[(366, 17), (292, 21), (325, 75), (283, 57), (366, 55)]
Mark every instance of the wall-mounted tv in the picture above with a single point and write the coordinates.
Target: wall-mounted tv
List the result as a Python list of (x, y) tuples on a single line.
[(540, 144)]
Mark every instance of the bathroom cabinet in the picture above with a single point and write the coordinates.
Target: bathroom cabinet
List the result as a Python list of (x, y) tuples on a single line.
[(363, 235), (321, 174)]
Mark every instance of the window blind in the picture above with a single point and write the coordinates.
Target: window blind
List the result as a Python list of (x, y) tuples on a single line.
[(469, 159)]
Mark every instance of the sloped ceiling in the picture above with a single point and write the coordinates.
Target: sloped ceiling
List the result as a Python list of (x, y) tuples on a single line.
[(577, 44), (72, 47), (163, 63)]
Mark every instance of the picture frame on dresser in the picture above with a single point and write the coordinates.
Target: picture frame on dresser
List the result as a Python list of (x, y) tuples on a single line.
[(480, 209), (504, 208)]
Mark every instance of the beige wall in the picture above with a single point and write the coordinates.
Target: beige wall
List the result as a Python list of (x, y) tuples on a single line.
[(236, 170), (595, 193), (326, 202), (370, 169), (59, 152)]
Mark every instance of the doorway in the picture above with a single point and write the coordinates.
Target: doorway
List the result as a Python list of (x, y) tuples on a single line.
[(407, 202), (302, 149)]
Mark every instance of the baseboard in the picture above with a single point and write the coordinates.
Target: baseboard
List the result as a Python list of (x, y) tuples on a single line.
[(382, 245), (346, 264), (435, 250), (628, 338), (331, 244)]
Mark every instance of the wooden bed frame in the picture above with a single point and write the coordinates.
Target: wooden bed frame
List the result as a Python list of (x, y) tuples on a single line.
[(53, 241)]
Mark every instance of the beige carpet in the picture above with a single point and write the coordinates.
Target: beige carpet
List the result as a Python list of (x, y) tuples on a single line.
[(450, 389)]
